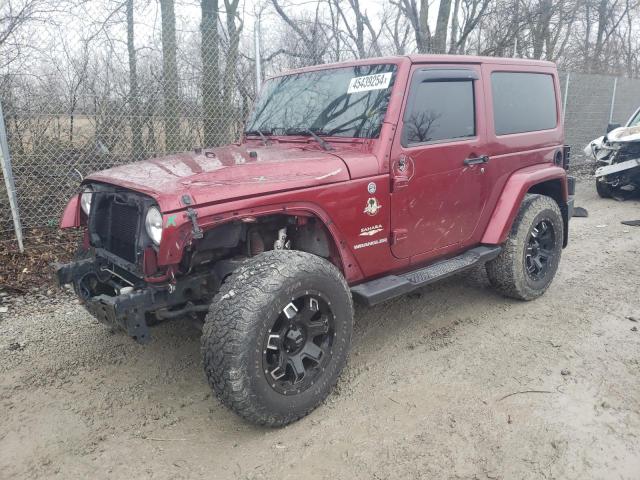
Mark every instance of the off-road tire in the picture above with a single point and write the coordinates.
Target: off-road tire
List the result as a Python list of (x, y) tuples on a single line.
[(507, 273), (242, 313), (604, 189)]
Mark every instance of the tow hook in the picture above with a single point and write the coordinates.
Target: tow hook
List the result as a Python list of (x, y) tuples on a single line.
[(193, 216)]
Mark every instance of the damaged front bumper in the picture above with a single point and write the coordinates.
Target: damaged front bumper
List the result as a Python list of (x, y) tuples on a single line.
[(617, 157), (129, 308), (617, 167)]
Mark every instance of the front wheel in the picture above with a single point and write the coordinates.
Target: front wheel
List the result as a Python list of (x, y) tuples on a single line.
[(530, 257), (277, 336), (604, 189)]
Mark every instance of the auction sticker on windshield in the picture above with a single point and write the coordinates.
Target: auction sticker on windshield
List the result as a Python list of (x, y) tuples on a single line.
[(379, 81)]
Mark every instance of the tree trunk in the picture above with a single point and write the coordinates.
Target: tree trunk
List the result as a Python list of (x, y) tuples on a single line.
[(603, 18), (210, 53), (423, 33), (170, 77), (229, 78), (359, 36), (587, 38), (454, 28), (439, 43), (137, 148)]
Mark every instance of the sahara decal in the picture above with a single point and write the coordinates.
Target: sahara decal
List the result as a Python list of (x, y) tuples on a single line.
[(371, 188), (372, 230), (372, 207)]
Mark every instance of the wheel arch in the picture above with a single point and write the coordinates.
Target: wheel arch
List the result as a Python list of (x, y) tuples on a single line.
[(310, 232), (548, 180), (553, 189)]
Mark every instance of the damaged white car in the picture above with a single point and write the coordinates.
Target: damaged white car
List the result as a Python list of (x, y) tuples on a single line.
[(617, 156)]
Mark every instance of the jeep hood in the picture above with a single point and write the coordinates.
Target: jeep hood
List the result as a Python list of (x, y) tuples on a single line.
[(226, 173)]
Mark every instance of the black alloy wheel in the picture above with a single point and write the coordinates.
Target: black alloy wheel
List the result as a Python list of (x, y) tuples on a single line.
[(540, 249), (299, 344)]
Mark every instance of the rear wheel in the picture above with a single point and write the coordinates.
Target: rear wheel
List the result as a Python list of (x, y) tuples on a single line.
[(277, 336), (530, 257)]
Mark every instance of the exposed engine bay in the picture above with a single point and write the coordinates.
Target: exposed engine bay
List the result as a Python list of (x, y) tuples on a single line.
[(617, 156)]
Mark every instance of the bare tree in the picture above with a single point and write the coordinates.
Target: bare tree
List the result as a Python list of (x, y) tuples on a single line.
[(418, 16), (14, 16), (74, 75), (234, 29), (355, 25), (210, 54), (628, 43), (170, 76), (311, 34), (134, 101), (398, 30), (473, 12), (439, 41)]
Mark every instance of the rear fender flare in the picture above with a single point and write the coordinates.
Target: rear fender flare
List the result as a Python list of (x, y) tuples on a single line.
[(517, 186)]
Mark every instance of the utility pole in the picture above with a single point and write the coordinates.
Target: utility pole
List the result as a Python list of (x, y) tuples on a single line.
[(613, 99)]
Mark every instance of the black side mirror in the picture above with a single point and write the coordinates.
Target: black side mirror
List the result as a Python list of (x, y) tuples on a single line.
[(612, 126)]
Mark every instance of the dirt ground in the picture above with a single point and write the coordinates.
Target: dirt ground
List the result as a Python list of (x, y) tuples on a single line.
[(452, 383)]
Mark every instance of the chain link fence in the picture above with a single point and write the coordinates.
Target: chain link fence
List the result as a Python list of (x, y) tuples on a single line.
[(54, 140), (53, 145)]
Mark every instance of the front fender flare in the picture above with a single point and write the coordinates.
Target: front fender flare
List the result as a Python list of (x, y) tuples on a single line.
[(177, 238), (512, 195), (71, 215)]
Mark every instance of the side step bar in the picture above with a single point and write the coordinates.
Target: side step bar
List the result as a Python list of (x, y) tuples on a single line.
[(385, 288)]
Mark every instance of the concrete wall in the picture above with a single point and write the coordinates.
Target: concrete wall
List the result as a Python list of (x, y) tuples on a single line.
[(588, 107)]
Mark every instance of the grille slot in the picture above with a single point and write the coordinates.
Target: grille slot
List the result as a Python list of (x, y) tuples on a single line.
[(124, 229), (116, 224)]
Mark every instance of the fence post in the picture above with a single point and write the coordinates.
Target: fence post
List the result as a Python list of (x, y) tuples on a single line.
[(613, 99), (566, 94), (7, 171)]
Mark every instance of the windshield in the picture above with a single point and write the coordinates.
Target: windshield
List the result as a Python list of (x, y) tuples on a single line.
[(635, 121), (346, 102)]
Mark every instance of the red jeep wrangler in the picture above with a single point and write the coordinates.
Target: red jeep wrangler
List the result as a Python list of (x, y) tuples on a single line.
[(365, 179)]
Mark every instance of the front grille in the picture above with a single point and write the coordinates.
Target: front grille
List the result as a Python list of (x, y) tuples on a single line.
[(124, 229), (114, 225)]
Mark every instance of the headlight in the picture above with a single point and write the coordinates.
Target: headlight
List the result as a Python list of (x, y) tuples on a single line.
[(153, 225), (85, 200)]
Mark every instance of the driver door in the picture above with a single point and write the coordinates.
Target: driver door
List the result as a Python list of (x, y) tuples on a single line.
[(439, 167)]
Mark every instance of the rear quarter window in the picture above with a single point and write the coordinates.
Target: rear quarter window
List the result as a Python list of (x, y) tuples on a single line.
[(523, 102)]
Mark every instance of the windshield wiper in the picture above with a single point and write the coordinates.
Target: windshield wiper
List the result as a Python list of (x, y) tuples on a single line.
[(308, 131), (265, 140)]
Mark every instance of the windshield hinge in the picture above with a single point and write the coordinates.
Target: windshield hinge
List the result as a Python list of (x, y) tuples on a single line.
[(193, 216)]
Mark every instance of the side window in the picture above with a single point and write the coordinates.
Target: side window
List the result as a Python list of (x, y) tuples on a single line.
[(523, 102), (439, 110)]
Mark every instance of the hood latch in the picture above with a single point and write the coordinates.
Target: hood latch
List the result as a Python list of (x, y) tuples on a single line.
[(193, 216)]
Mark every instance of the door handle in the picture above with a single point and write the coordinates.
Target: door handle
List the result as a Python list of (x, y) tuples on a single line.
[(398, 183), (477, 160)]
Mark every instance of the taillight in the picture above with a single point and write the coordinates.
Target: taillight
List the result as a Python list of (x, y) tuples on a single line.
[(566, 154)]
